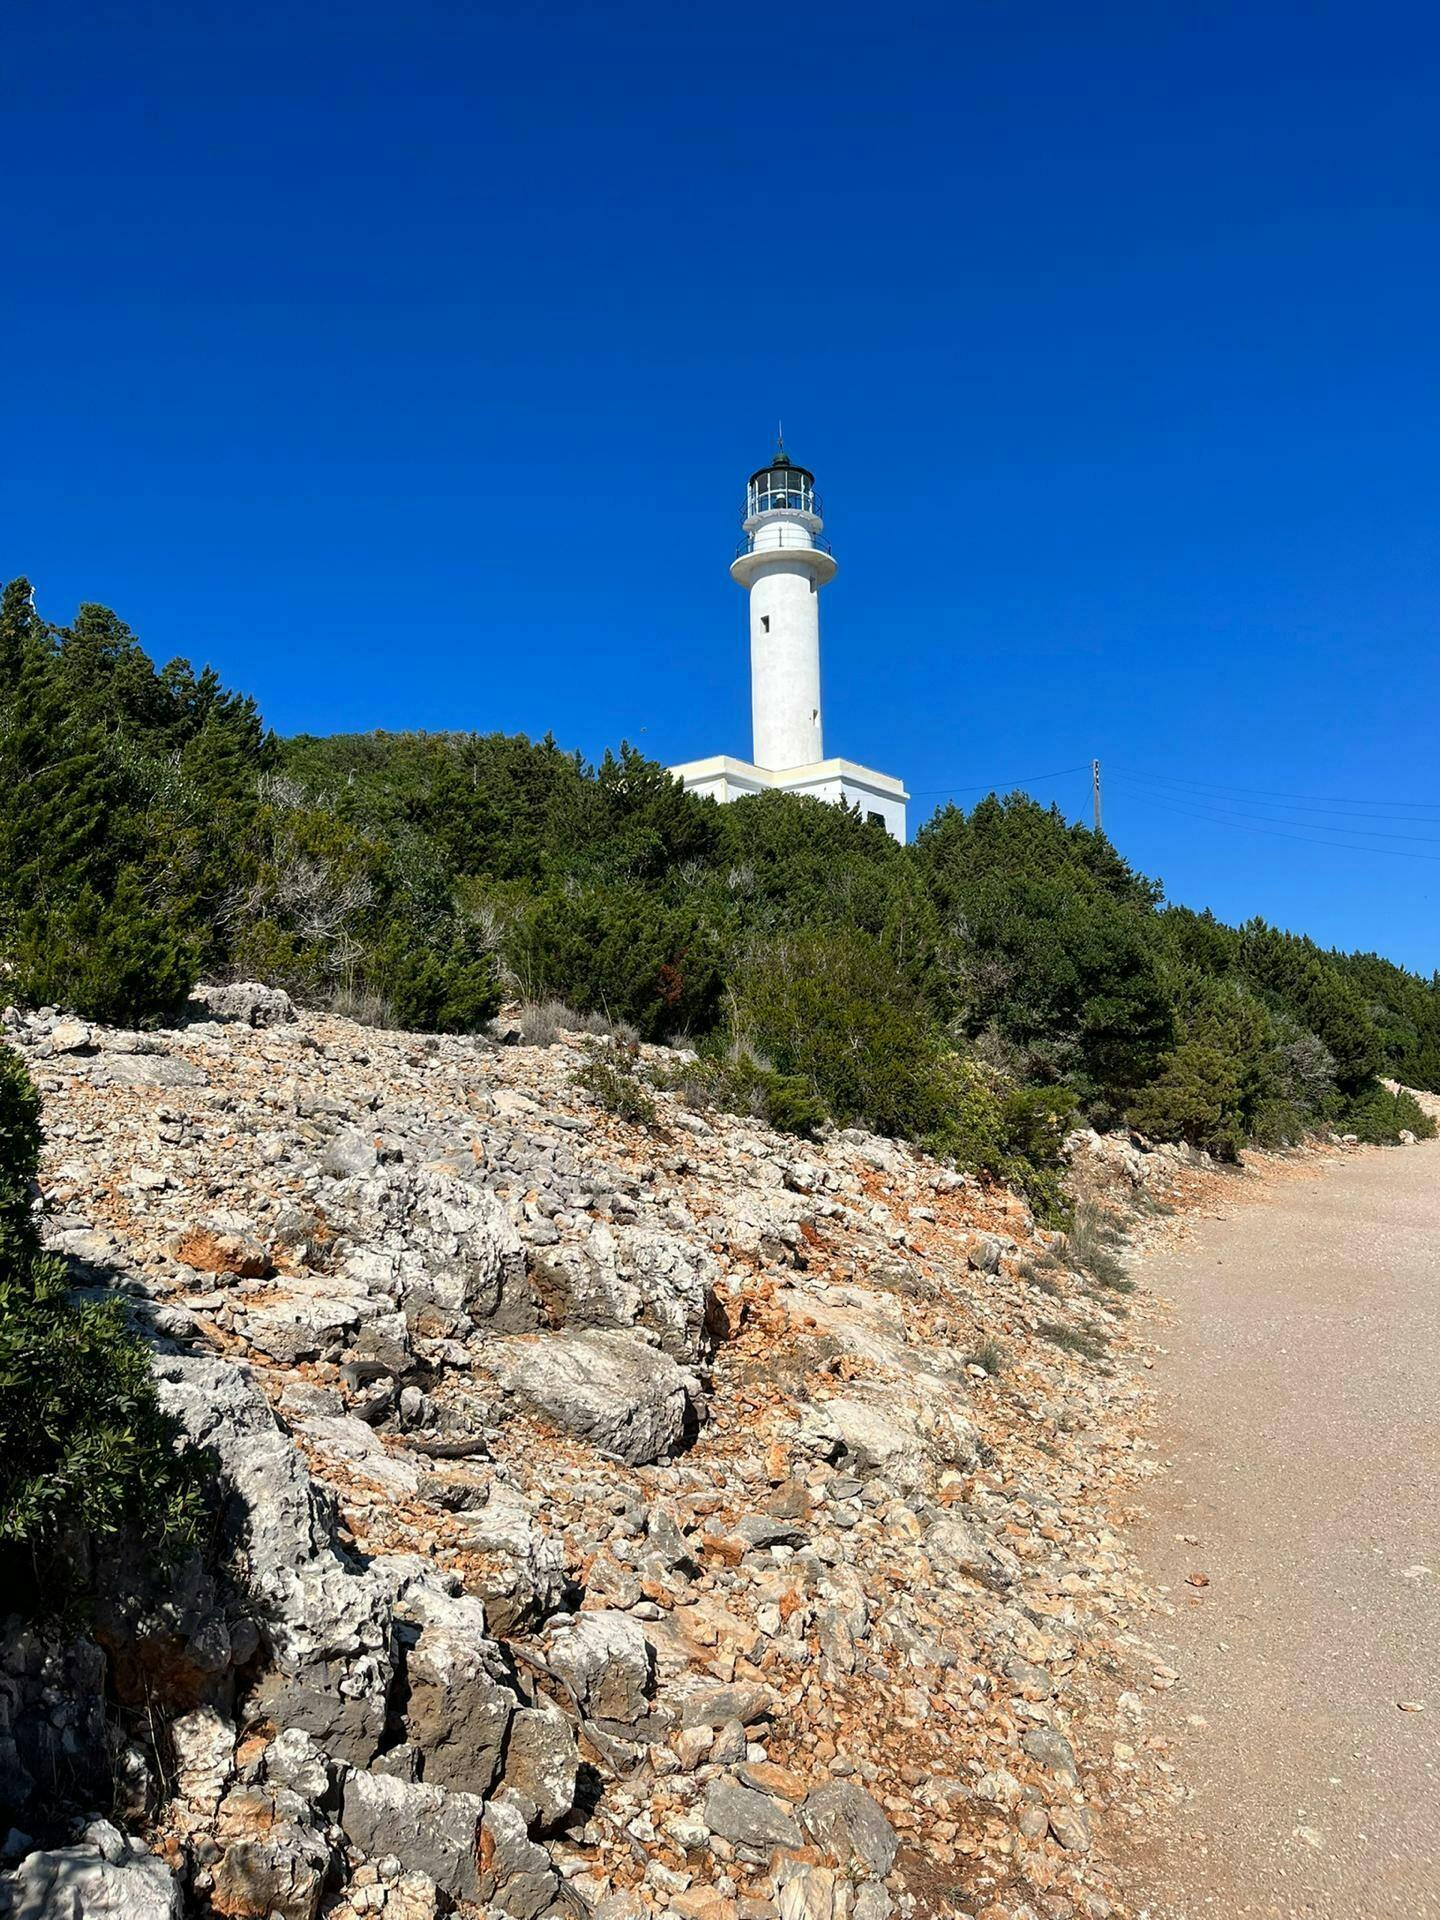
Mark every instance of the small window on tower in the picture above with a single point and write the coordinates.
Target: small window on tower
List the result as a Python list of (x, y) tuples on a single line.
[(765, 621)]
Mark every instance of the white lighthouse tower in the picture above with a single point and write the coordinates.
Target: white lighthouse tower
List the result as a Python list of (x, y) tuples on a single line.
[(782, 564)]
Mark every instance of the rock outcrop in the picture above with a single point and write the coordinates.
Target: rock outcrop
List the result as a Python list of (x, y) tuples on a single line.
[(605, 1519)]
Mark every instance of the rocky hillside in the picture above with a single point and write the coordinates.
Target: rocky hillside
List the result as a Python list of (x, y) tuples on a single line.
[(613, 1518)]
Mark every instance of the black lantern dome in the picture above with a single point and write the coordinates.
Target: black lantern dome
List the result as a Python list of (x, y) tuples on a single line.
[(783, 486)]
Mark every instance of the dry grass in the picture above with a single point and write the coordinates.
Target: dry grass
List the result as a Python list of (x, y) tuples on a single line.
[(544, 1023)]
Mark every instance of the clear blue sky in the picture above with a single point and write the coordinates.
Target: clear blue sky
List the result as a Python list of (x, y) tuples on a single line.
[(407, 362)]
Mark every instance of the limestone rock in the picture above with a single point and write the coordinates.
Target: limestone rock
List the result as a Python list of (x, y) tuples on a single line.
[(70, 1036), (850, 1824), (425, 1828), (103, 1878), (1071, 1827), (542, 1761), (605, 1660), (516, 1569), (1051, 1749), (274, 1862), (748, 1818), (650, 1278), (203, 1743), (811, 1894), (445, 1245), (615, 1392), (457, 1706), (516, 1875), (325, 1622), (247, 1001)]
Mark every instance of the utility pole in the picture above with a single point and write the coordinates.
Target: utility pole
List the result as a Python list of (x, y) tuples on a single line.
[(1095, 789)]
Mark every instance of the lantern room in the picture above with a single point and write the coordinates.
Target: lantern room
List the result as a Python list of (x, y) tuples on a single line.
[(782, 487)]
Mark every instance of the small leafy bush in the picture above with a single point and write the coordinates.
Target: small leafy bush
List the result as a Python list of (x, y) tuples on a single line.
[(611, 1075), (736, 1082)]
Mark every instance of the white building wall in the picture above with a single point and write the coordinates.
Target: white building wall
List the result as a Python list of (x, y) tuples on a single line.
[(877, 795), (785, 664)]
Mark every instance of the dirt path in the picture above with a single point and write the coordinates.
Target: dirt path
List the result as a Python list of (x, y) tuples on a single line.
[(1300, 1398)]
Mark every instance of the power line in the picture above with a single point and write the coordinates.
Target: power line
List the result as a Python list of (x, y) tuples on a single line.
[(1310, 826), (996, 786), (1276, 833), (1303, 802)]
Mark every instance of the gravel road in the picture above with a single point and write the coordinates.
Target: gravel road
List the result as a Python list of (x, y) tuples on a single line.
[(1300, 1398)]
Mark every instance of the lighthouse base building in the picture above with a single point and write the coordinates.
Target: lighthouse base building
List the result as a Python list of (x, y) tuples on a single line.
[(879, 796), (782, 564)]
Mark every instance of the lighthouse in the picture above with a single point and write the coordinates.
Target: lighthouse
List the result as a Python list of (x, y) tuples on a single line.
[(782, 564)]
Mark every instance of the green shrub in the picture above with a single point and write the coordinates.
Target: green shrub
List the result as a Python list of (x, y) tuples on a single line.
[(1379, 1117), (736, 1082), (611, 1075), (119, 961), (84, 1446), (1279, 1123), (433, 988), (832, 1008), (621, 952), (1194, 1098)]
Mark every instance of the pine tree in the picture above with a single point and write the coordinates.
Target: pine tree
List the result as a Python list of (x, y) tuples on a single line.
[(22, 632)]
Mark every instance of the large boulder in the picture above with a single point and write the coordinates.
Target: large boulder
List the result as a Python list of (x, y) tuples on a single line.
[(748, 1818), (898, 1431), (516, 1875), (274, 1862), (440, 1834), (542, 1760), (615, 1392), (425, 1828), (641, 1277), (606, 1662), (515, 1568), (246, 1001), (440, 1242), (457, 1703), (105, 1877), (850, 1825), (324, 1621)]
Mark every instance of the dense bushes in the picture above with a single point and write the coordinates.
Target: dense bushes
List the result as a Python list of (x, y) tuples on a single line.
[(84, 1448), (971, 990), (1379, 1117), (146, 834)]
